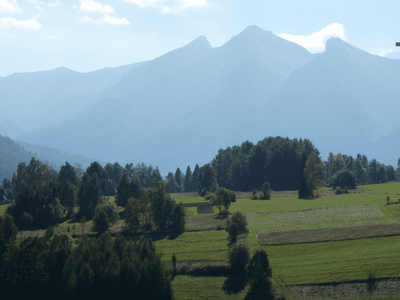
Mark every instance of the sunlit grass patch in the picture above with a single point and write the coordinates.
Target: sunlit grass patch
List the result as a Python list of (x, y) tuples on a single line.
[(196, 245), (3, 209), (335, 261), (188, 287)]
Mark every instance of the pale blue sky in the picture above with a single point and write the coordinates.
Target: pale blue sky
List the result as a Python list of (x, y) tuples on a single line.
[(86, 35)]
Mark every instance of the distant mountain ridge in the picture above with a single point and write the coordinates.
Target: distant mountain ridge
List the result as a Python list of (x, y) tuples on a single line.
[(180, 108), (12, 153)]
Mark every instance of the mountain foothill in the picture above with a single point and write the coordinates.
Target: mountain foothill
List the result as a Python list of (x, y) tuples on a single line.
[(181, 107)]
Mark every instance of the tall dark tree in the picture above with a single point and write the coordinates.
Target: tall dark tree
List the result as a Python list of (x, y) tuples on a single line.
[(170, 184), (178, 180), (123, 190), (67, 173), (304, 190), (162, 206), (259, 274), (257, 166), (89, 194), (239, 257), (102, 175), (313, 172), (194, 178), (188, 179), (68, 197), (206, 178)]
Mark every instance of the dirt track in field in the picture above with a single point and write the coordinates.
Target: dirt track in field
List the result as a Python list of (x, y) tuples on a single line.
[(320, 235)]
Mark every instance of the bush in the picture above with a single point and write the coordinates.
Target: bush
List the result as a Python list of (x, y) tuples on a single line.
[(226, 194), (240, 220), (342, 179), (266, 191), (338, 190), (233, 233), (254, 195)]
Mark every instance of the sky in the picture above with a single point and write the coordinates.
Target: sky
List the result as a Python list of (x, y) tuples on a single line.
[(87, 35)]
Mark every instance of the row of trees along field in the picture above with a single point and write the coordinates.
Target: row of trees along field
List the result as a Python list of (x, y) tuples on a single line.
[(279, 161), (44, 197), (50, 267)]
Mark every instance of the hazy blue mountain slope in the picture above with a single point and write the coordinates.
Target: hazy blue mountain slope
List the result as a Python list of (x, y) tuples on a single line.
[(12, 153), (343, 100), (30, 98), (182, 106), (105, 130)]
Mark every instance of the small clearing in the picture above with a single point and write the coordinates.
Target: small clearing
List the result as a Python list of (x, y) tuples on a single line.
[(320, 235)]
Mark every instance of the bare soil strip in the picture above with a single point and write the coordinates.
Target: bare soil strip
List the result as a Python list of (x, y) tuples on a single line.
[(346, 290), (320, 235)]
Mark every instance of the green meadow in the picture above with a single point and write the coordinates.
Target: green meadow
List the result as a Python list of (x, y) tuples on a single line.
[(296, 264), (324, 262)]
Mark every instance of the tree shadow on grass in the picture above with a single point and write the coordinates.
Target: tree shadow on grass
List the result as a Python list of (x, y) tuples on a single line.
[(234, 284), (156, 235)]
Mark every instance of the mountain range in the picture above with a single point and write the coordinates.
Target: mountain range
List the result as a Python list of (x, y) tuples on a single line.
[(180, 108)]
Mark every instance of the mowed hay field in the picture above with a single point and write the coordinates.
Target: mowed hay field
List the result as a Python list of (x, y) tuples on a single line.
[(301, 265)]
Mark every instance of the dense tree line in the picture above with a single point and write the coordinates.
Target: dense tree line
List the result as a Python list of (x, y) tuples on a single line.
[(177, 182), (43, 197), (50, 268), (341, 169), (273, 160)]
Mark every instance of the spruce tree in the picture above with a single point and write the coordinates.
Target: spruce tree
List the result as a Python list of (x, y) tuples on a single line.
[(304, 191)]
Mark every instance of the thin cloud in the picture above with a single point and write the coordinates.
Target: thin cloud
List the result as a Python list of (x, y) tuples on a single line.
[(384, 52), (106, 20), (30, 24), (170, 6), (9, 6), (92, 6), (315, 42)]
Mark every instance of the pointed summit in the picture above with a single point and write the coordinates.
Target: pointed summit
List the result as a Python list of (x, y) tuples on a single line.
[(199, 41), (276, 53), (340, 49)]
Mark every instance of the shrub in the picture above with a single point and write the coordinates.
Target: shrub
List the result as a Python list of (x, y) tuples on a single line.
[(233, 233), (226, 194), (342, 179), (338, 190), (266, 191), (240, 220)]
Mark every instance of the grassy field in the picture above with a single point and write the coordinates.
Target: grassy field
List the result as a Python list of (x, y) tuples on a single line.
[(296, 264), (210, 245), (189, 287), (300, 263)]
